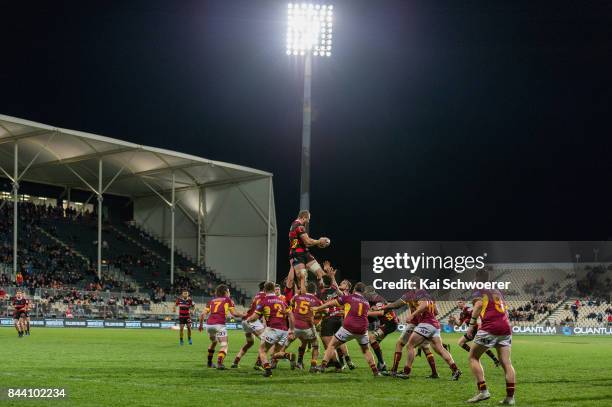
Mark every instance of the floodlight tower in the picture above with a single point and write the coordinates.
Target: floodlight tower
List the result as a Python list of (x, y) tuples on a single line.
[(309, 34)]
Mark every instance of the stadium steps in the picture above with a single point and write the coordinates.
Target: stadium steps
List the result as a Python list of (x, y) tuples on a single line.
[(63, 244)]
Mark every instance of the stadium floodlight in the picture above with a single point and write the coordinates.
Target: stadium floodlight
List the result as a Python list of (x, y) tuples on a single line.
[(309, 33), (309, 29)]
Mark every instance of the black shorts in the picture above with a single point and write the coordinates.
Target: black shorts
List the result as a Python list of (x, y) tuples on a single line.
[(330, 325), (301, 258), (20, 314), (185, 320)]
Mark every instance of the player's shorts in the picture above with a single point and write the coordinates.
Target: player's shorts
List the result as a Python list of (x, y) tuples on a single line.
[(374, 325), (488, 340), (427, 331), (384, 330), (407, 332), (252, 327), (185, 320), (330, 325), (275, 336), (306, 334), (344, 335), (20, 314), (300, 258), (216, 331)]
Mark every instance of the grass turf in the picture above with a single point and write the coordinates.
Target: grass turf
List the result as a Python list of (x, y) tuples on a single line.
[(111, 367)]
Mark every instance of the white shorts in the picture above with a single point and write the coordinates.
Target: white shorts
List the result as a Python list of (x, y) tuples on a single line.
[(252, 327), (427, 330), (407, 332), (216, 331), (344, 335), (274, 336), (306, 334), (488, 340)]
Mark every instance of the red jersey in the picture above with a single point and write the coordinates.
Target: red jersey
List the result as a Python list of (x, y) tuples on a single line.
[(288, 293), (356, 309), (301, 307), (184, 306), (254, 303), (219, 308), (428, 316), (328, 294), (274, 310), (493, 316), (21, 306), (296, 245)]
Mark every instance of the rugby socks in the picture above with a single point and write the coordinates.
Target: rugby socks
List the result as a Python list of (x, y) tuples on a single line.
[(397, 356), (482, 386), (467, 347), (509, 389), (492, 356), (267, 366), (374, 369), (340, 356), (432, 362), (378, 352), (407, 370), (220, 357), (324, 364), (347, 358), (313, 363), (453, 367), (211, 353), (301, 351)]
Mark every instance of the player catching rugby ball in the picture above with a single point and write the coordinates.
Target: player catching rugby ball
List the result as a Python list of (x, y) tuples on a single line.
[(300, 258)]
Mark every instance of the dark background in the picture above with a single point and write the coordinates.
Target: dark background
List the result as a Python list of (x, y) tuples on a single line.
[(433, 120)]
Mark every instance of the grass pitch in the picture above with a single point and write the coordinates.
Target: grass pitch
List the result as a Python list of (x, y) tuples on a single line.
[(113, 367)]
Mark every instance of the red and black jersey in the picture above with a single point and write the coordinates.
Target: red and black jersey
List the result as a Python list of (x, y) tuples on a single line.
[(20, 305), (184, 306), (389, 316), (465, 316), (296, 245), (328, 294)]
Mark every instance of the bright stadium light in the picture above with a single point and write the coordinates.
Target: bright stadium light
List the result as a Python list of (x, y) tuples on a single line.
[(309, 26), (309, 34)]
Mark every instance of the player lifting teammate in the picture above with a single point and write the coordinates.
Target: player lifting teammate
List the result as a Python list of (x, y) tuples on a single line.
[(494, 332), (300, 259), (354, 326), (217, 310), (302, 307), (279, 321), (464, 318), (185, 306)]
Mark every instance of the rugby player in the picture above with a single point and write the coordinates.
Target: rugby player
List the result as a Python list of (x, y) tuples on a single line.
[(279, 329), (300, 258), (20, 305), (354, 326), (494, 332), (185, 305), (302, 307), (408, 300), (254, 328), (464, 318), (217, 310), (427, 329), (387, 323), (332, 320)]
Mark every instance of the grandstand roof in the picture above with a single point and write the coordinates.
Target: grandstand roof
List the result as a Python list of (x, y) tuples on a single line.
[(63, 157)]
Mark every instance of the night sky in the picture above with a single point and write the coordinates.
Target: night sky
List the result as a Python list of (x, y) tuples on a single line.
[(433, 120)]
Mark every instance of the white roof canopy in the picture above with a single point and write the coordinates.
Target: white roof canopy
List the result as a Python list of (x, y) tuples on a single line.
[(70, 158)]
